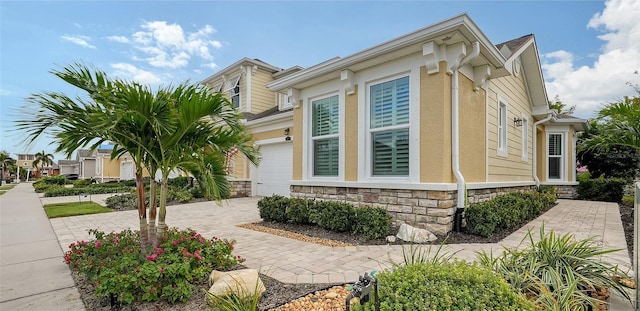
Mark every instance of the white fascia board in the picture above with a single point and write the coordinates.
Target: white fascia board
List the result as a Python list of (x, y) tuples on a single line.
[(286, 116), (417, 37)]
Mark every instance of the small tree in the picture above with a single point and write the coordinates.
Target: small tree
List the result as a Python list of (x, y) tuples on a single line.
[(7, 164), (618, 161), (560, 107), (43, 159)]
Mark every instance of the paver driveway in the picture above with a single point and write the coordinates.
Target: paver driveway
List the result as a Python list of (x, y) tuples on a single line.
[(294, 261)]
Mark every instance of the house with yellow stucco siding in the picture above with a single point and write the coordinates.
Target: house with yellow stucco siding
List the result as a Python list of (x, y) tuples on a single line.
[(422, 125), (268, 116)]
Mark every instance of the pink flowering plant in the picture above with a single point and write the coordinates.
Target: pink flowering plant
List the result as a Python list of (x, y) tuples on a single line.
[(115, 265)]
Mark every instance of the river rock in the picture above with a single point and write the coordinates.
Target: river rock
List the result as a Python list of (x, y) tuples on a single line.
[(411, 234)]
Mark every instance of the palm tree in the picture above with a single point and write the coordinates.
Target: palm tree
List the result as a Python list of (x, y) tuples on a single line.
[(620, 126), (7, 163), (42, 158), (175, 128)]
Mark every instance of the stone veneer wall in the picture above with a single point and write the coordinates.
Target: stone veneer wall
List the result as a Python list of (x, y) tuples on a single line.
[(428, 209), (240, 188), (567, 192)]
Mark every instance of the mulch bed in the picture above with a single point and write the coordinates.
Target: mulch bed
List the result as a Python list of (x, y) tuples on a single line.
[(626, 215)]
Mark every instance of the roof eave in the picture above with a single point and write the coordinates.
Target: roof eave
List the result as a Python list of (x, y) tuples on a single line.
[(460, 23), (235, 66)]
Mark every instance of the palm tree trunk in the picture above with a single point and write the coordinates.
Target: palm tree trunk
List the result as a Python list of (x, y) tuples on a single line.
[(162, 226), (153, 202), (142, 212)]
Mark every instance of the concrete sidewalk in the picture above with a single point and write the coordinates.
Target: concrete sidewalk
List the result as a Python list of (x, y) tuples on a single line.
[(33, 275)]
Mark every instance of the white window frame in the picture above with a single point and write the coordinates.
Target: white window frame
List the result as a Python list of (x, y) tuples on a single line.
[(312, 139), (562, 156), (503, 127), (525, 138), (230, 86), (368, 132), (284, 102)]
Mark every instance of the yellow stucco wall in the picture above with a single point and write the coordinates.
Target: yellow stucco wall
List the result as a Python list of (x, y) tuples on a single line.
[(297, 142), (511, 168), (351, 140), (472, 130), (435, 129), (111, 168)]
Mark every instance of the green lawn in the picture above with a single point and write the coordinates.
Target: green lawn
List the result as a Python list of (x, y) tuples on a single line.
[(74, 209), (7, 187)]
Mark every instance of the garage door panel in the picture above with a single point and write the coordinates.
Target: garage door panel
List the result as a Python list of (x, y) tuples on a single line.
[(275, 170)]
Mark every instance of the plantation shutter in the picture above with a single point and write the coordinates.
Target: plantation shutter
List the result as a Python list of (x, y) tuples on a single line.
[(389, 106), (324, 132), (390, 103)]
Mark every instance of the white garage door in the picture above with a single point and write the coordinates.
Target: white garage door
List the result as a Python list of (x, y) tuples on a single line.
[(126, 171), (275, 169)]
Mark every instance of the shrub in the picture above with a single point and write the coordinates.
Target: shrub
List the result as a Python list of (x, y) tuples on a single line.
[(53, 180), (82, 182), (298, 210), (183, 196), (113, 262), (273, 208), (92, 189), (627, 201), (196, 192), (334, 216), (602, 189), (506, 211), (179, 182), (122, 202), (372, 222), (446, 286), (42, 187), (557, 269)]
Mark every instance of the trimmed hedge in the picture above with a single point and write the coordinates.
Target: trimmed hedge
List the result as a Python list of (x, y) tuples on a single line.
[(368, 222), (506, 211), (602, 189), (445, 286)]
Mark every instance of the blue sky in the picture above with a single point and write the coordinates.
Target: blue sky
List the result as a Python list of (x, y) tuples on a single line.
[(589, 49)]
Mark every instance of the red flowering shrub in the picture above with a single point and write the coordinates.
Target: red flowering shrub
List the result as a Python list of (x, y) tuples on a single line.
[(114, 263)]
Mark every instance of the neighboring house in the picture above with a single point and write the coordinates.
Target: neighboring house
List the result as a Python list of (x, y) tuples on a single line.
[(98, 165), (69, 167), (25, 162), (268, 117), (426, 123)]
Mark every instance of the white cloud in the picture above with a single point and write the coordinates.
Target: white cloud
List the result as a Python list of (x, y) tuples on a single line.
[(588, 87), (120, 39), (165, 45), (128, 71), (210, 65), (79, 40), (4, 92)]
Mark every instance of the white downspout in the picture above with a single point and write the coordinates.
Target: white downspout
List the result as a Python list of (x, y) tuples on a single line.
[(535, 146), (455, 120)]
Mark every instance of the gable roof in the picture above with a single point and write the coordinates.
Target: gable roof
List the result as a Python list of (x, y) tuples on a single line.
[(235, 66), (564, 119), (514, 45), (459, 28), (67, 162), (85, 153)]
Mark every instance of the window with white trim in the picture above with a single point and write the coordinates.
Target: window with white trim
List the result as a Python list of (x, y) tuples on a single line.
[(284, 102), (389, 127), (555, 156), (233, 86), (325, 122), (525, 139), (502, 128)]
